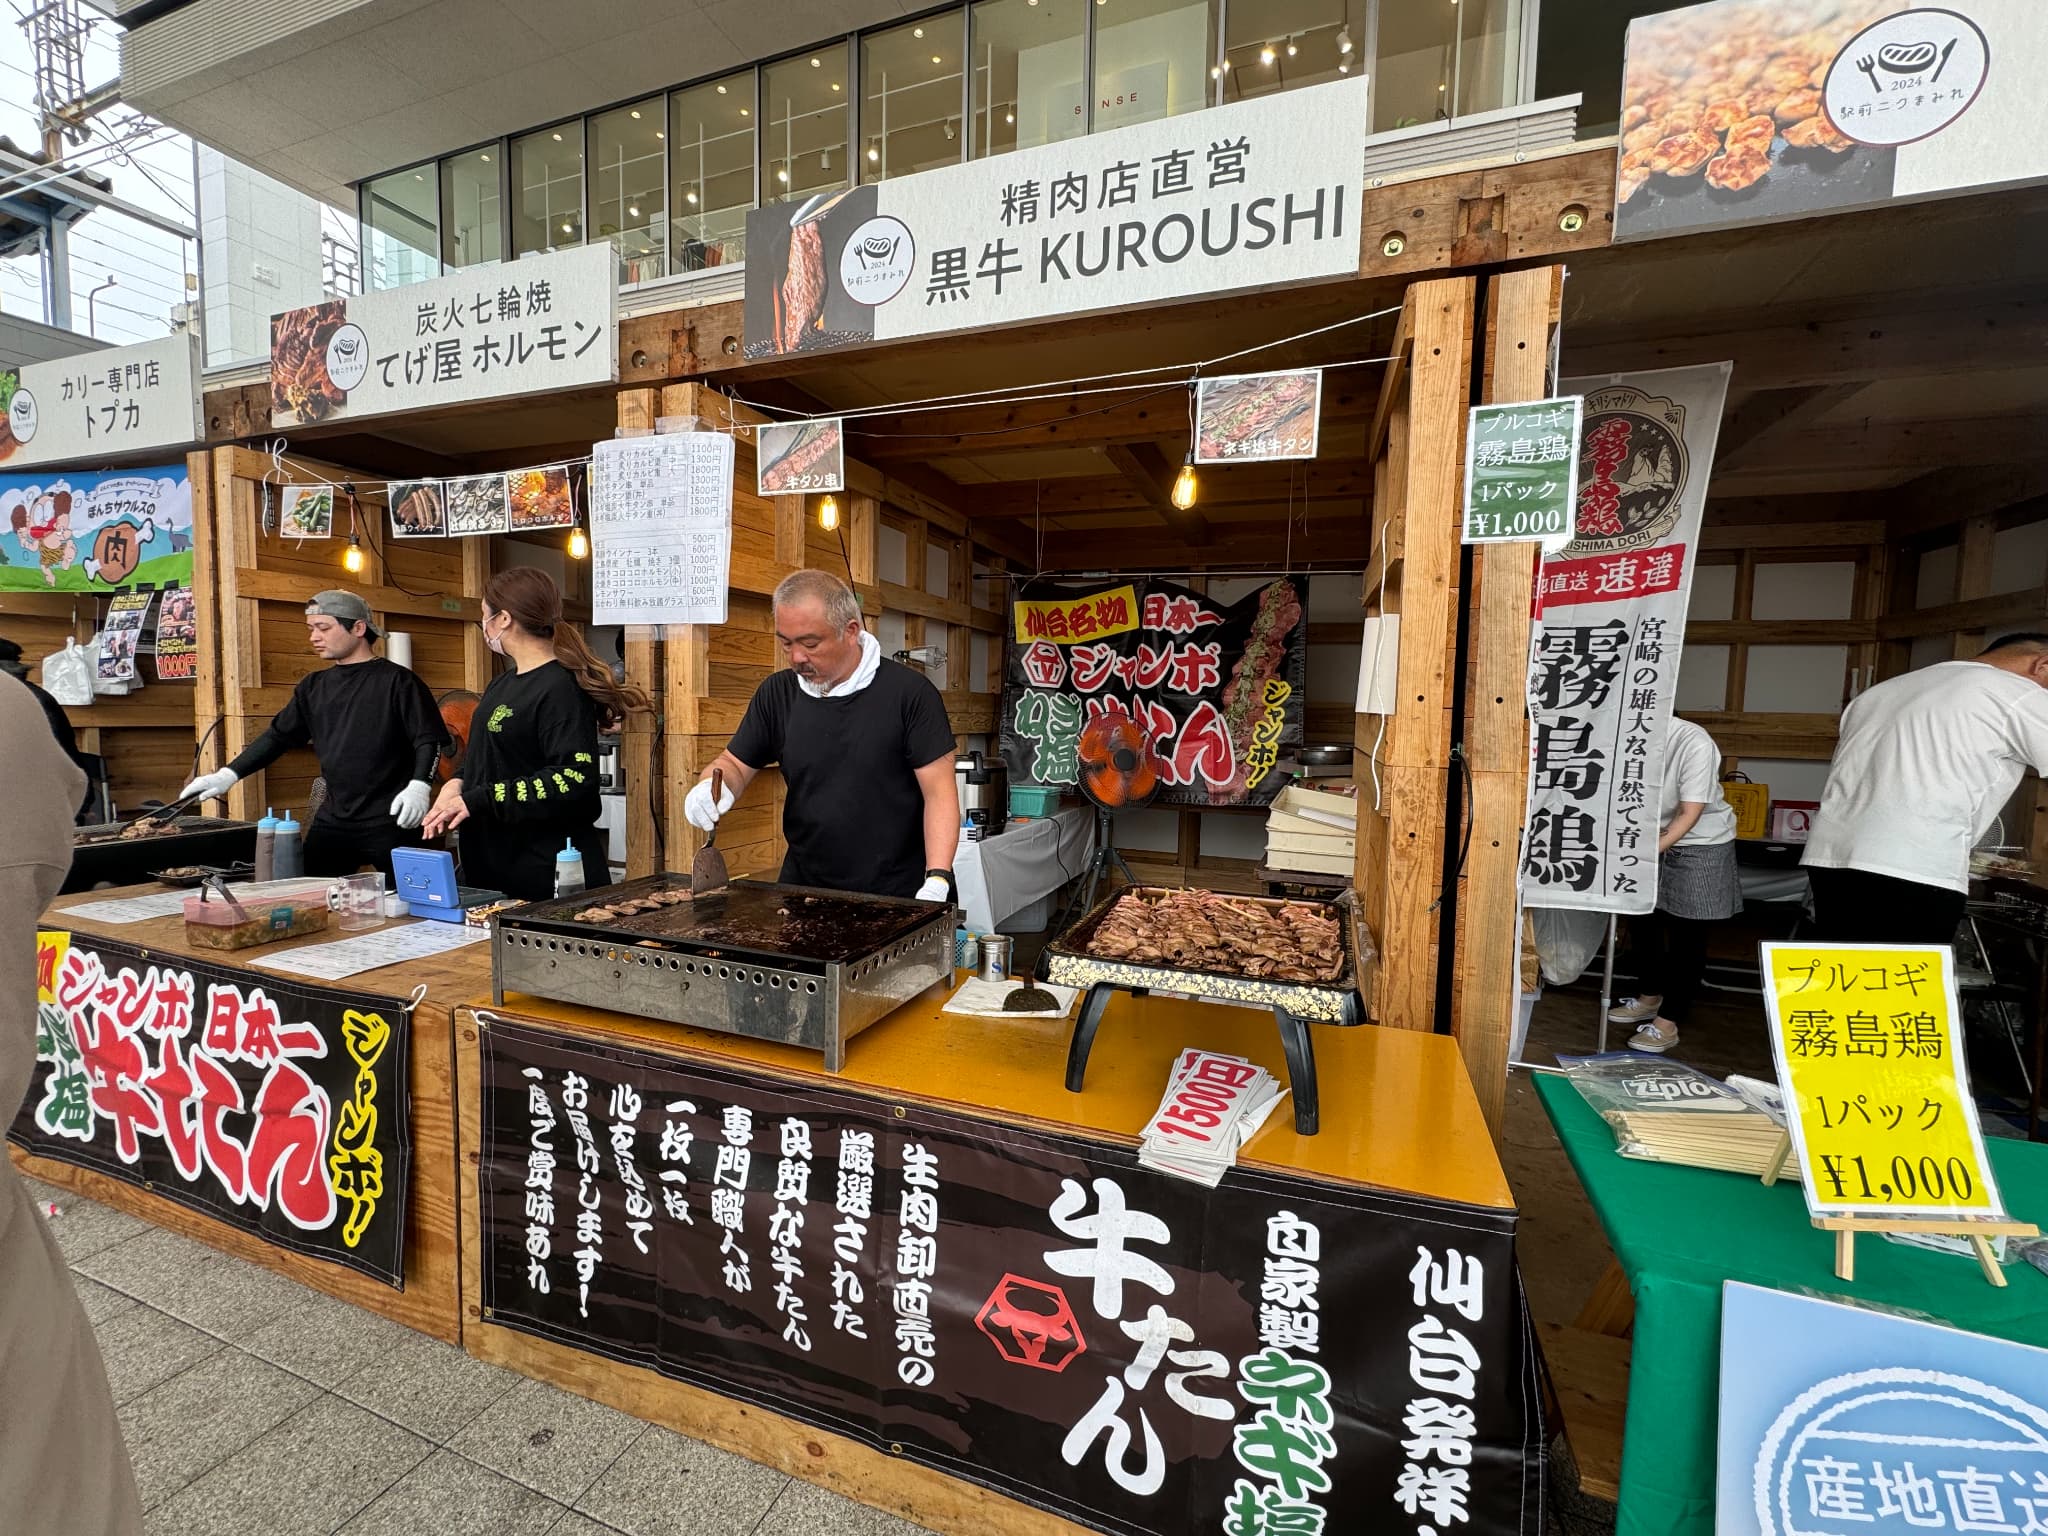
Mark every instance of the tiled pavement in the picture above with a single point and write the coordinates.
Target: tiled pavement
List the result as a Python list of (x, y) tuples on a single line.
[(251, 1404)]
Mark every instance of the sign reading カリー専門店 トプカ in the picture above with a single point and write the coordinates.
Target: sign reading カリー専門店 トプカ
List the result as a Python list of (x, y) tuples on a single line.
[(277, 1108), (1256, 194), (538, 325), (1751, 111), (98, 405)]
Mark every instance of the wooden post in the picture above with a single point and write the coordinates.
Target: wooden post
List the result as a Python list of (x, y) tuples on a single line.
[(208, 712), (1973, 579), (1399, 866), (1521, 316), (636, 412)]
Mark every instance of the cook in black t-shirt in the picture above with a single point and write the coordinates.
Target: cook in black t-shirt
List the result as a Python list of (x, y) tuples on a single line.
[(529, 779), (865, 748)]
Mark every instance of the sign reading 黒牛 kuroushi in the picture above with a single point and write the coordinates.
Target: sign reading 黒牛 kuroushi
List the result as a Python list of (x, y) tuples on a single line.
[(276, 1108)]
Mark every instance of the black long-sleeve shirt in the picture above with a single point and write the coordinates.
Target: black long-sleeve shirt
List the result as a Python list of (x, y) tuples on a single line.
[(532, 757), (375, 727)]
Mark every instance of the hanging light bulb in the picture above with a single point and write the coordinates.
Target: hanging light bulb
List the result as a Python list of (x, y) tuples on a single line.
[(828, 513), (1291, 50), (1267, 55), (874, 151), (690, 198), (1184, 483), (352, 558), (1215, 71), (579, 544)]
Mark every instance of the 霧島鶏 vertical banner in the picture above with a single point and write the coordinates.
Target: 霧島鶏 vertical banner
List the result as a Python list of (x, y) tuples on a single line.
[(1611, 627), (277, 1108)]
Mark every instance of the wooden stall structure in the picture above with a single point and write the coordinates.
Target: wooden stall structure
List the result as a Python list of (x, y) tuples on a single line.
[(261, 582), (703, 675)]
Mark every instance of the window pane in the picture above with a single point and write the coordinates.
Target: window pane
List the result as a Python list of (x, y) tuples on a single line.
[(1027, 60), (1580, 50), (547, 189), (470, 229), (1275, 45), (910, 97), (1489, 54), (1411, 79), (711, 168), (629, 186), (1152, 59), (400, 229), (803, 122)]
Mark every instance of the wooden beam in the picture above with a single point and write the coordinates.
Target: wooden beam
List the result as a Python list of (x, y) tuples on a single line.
[(1780, 631), (1775, 413), (1973, 579), (1248, 485), (1942, 500), (1880, 445), (1522, 314), (1791, 535), (2030, 606), (1327, 544), (636, 411), (1882, 336), (1502, 213), (1145, 468)]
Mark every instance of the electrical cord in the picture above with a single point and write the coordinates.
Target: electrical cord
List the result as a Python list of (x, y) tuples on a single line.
[(200, 746), (1465, 840)]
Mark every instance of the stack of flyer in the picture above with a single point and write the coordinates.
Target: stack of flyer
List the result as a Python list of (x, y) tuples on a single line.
[(1213, 1105)]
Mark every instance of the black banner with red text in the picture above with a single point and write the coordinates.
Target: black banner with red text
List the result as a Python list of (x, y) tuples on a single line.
[(276, 1108), (1030, 1312), (1218, 690)]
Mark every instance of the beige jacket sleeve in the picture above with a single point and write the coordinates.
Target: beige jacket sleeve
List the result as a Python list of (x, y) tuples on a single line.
[(63, 1469)]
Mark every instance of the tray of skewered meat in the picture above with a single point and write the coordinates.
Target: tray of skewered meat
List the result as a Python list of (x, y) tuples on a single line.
[(128, 853), (1261, 951), (774, 962)]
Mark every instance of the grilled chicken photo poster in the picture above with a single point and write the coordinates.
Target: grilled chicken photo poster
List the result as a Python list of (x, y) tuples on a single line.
[(1142, 689)]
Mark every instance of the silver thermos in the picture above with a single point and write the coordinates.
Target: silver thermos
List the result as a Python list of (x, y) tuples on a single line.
[(984, 795)]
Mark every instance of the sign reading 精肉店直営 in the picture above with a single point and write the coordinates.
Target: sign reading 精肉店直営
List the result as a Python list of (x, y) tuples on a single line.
[(1218, 690), (1611, 613), (280, 1109), (1755, 111), (1877, 1093), (1255, 194), (534, 326), (1838, 1420), (1030, 1311), (1522, 470), (98, 405)]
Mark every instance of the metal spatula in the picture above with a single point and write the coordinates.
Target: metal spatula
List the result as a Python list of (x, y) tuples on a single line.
[(707, 870)]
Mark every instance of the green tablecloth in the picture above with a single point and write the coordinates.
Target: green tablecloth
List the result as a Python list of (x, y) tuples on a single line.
[(1680, 1232)]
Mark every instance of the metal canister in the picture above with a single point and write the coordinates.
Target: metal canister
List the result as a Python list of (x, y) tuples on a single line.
[(995, 957)]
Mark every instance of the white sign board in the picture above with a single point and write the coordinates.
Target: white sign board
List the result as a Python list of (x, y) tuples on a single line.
[(86, 409), (537, 326), (1256, 194), (661, 529)]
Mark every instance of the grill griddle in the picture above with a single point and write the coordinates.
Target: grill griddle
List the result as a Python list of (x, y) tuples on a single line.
[(753, 917)]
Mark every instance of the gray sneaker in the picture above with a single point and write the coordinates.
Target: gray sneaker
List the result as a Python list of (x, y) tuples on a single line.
[(1656, 1037), (1633, 1010)]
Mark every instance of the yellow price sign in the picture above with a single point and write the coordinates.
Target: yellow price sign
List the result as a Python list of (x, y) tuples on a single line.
[(51, 947), (1877, 1095)]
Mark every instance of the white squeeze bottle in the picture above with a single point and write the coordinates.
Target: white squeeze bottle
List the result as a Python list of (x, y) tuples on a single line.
[(569, 871), (288, 859)]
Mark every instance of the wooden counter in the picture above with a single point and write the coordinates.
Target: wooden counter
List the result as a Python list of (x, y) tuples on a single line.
[(431, 1300), (1399, 1114)]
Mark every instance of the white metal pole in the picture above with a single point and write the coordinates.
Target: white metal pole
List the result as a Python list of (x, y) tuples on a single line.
[(1607, 980)]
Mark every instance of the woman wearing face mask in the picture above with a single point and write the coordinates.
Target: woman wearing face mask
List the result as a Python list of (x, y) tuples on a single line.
[(528, 782)]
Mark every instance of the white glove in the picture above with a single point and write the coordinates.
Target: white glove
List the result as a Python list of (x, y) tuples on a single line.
[(211, 786), (410, 804), (933, 889), (698, 809)]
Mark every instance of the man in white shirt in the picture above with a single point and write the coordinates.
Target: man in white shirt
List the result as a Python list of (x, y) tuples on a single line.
[(1922, 766), (1696, 887)]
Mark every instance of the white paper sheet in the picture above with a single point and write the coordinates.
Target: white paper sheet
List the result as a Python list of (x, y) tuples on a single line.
[(984, 999), (369, 951), (661, 529)]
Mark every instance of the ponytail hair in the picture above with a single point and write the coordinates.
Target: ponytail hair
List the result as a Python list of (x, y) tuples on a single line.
[(531, 600)]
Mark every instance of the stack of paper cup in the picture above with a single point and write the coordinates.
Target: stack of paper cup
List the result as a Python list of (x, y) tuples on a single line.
[(398, 648)]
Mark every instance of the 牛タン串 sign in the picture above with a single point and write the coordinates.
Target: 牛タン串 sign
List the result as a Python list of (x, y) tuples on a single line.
[(1522, 470), (1877, 1093), (536, 326), (97, 405), (1256, 194)]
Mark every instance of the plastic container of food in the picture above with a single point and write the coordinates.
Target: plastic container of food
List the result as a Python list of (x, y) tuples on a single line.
[(211, 923)]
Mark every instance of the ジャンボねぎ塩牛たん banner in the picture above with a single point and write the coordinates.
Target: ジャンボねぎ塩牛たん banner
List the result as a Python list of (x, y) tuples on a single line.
[(1255, 194)]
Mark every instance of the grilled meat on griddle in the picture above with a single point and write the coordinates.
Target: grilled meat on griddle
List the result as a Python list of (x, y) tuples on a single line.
[(1205, 931)]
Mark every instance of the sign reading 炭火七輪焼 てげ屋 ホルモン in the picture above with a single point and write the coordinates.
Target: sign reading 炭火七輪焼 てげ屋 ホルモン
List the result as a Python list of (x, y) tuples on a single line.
[(1256, 194), (534, 326)]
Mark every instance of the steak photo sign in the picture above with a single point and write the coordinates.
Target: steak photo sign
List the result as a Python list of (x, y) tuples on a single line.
[(1219, 689)]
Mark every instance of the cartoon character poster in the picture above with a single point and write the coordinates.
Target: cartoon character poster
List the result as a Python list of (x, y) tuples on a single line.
[(117, 530)]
